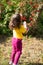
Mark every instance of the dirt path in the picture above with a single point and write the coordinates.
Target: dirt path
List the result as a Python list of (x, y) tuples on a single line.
[(32, 51)]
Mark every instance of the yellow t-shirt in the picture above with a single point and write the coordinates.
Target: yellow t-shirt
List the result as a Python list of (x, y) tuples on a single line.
[(17, 32)]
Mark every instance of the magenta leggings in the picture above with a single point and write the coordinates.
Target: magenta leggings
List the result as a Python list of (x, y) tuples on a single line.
[(16, 50)]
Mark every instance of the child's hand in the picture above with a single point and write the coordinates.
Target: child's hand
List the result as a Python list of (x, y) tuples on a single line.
[(25, 24)]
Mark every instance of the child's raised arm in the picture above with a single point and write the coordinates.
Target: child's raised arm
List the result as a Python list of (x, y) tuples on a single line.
[(25, 26)]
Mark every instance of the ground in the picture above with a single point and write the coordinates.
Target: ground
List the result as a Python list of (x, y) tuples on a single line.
[(32, 53)]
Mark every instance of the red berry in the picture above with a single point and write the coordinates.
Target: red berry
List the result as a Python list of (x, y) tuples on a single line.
[(30, 18), (31, 2), (38, 10)]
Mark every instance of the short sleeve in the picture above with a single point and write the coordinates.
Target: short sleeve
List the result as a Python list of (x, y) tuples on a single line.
[(23, 30)]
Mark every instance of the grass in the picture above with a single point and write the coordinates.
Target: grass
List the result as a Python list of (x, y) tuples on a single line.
[(5, 51)]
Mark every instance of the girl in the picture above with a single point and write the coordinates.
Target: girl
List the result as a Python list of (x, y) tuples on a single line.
[(18, 30)]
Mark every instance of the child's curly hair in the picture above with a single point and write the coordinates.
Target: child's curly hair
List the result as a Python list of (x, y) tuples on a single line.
[(15, 21)]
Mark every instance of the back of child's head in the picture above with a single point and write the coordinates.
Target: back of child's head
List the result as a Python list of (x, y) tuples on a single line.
[(15, 21)]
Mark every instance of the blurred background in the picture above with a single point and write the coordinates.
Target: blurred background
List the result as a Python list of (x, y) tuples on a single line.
[(32, 11)]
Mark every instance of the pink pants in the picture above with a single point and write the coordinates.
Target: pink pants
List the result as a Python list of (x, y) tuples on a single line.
[(16, 50)]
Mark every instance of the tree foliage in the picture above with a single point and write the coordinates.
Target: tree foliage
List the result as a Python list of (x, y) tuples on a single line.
[(26, 7)]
